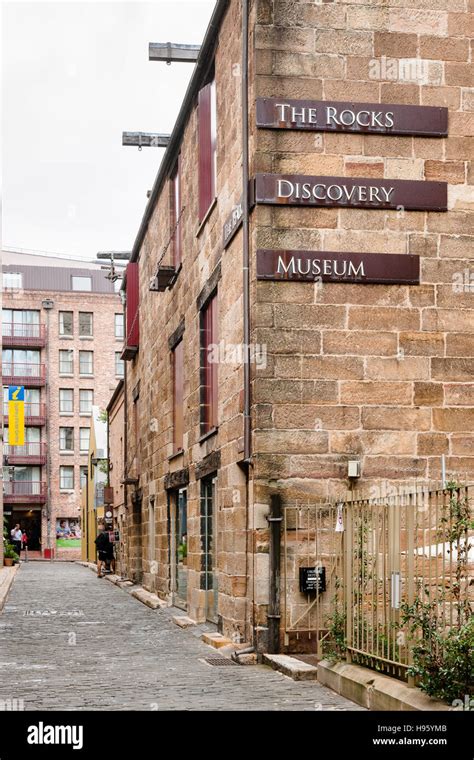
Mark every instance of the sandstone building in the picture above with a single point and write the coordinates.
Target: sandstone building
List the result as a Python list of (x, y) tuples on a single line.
[(300, 293)]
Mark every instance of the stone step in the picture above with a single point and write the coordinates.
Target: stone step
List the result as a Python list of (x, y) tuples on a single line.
[(216, 640), (183, 621), (290, 666), (146, 597)]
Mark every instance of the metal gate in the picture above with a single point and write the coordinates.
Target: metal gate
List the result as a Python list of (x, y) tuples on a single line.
[(377, 554)]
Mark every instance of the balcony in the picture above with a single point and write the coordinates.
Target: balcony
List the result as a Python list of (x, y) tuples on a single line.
[(29, 453), (18, 335), (24, 492), (31, 375), (35, 413)]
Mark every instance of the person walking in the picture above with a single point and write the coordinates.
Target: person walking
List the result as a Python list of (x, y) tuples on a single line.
[(24, 544), (16, 534), (105, 551)]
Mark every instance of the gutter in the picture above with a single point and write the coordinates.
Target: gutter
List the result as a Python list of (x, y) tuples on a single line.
[(203, 63)]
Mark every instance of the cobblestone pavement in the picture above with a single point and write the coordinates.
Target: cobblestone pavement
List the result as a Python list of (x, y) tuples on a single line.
[(93, 646)]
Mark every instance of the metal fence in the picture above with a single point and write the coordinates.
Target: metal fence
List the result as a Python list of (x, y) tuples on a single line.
[(357, 563)]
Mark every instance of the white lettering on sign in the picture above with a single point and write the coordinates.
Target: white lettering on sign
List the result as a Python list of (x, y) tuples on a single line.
[(334, 116), (316, 267), (343, 193)]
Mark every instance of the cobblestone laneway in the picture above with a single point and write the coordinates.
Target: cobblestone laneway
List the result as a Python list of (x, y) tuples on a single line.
[(103, 649)]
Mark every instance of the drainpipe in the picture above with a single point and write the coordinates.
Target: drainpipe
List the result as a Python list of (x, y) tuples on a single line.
[(273, 617), (245, 230)]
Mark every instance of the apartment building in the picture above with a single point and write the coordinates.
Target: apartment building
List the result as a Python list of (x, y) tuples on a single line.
[(297, 315), (62, 328)]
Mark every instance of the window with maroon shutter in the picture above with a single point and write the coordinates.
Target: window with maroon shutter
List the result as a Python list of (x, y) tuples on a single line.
[(209, 368), (207, 147), (178, 388), (132, 312), (176, 227)]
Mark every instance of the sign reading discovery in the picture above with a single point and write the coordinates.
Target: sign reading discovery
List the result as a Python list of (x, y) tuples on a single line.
[(334, 116), (289, 189)]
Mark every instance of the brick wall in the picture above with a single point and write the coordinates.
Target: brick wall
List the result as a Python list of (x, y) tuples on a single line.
[(104, 345)]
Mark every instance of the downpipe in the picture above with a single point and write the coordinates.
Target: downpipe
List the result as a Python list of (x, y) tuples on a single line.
[(273, 617)]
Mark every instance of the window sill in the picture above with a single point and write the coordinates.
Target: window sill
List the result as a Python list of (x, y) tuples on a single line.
[(67, 490), (119, 377), (66, 453), (206, 216), (66, 374), (175, 455), (66, 414), (86, 337), (86, 377), (66, 337), (209, 434), (176, 275), (85, 414)]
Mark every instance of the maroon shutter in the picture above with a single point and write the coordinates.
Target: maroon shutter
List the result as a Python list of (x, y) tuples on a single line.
[(178, 394), (206, 188), (176, 211), (132, 305)]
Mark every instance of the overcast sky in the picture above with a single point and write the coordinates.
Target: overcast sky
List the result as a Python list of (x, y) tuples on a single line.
[(75, 75)]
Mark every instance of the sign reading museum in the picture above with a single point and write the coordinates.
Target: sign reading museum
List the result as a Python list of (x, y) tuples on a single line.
[(289, 189), (333, 116), (326, 266)]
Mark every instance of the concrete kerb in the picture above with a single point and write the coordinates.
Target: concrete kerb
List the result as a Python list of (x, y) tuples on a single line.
[(373, 690), (7, 576)]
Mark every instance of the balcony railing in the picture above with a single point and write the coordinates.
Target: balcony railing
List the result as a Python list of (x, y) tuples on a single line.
[(14, 334), (35, 413), (24, 491), (29, 453), (23, 374)]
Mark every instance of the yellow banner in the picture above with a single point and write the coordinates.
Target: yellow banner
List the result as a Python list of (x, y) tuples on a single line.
[(16, 423)]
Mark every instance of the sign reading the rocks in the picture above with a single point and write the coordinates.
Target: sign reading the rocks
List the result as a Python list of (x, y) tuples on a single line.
[(328, 266), (332, 116), (290, 189)]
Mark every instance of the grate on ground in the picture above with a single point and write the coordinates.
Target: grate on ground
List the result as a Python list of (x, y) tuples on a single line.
[(219, 661)]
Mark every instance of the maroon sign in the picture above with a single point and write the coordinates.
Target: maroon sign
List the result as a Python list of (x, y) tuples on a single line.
[(334, 116), (327, 266), (296, 190)]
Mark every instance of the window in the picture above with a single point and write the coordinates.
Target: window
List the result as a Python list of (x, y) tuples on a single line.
[(65, 323), (207, 147), (66, 362), (86, 363), (12, 280), (209, 366), (177, 359), (66, 439), (86, 399), (83, 476), (119, 365), (84, 435), (119, 325), (66, 478), (66, 400), (81, 283), (21, 323), (175, 214), (85, 324)]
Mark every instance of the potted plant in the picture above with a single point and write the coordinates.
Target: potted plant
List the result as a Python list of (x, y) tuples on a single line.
[(9, 555)]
